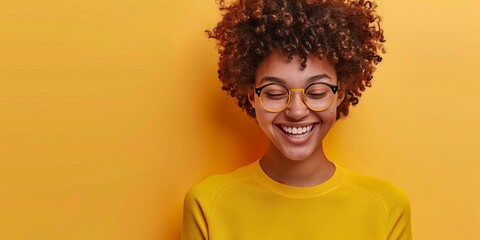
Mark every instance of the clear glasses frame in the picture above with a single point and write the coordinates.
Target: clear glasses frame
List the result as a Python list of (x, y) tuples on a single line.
[(334, 89)]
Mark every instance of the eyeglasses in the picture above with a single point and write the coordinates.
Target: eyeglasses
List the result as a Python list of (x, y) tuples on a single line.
[(275, 97)]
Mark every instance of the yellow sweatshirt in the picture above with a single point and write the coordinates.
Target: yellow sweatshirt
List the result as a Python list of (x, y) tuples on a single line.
[(248, 205)]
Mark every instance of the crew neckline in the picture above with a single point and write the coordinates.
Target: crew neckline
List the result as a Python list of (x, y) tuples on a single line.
[(298, 192)]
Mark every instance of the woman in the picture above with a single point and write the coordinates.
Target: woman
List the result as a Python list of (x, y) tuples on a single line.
[(296, 67)]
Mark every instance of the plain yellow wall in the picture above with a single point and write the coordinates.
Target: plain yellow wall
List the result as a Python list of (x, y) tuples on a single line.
[(110, 110)]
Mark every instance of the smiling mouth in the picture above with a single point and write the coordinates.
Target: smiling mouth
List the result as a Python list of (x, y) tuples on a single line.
[(296, 131)]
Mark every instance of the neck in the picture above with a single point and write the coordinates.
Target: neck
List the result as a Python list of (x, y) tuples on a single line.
[(313, 170)]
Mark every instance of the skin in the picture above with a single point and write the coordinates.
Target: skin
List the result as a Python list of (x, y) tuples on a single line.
[(295, 161)]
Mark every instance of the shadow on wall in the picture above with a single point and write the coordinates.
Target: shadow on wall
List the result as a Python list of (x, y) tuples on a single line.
[(234, 139), (245, 135), (227, 137)]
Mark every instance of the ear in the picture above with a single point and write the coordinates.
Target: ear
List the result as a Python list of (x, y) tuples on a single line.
[(251, 97), (340, 97)]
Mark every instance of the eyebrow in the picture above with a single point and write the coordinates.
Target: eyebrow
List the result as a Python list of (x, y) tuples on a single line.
[(282, 81)]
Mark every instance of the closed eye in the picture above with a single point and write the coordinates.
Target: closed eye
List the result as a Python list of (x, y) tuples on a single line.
[(278, 95), (317, 95)]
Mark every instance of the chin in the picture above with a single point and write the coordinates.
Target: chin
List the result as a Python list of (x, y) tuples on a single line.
[(297, 155)]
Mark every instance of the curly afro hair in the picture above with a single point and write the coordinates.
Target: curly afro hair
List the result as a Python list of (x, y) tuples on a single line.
[(346, 32)]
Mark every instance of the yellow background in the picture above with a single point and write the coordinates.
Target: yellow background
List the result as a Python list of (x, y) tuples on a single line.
[(110, 110)]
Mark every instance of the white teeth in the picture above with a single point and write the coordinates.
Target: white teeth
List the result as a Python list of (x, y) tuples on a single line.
[(297, 131)]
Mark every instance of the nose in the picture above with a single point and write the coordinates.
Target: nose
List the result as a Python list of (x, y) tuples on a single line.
[(297, 109)]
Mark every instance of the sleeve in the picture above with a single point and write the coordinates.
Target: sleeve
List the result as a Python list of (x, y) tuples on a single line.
[(194, 222), (400, 219)]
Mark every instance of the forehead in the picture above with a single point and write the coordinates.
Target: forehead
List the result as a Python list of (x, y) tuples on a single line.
[(277, 65)]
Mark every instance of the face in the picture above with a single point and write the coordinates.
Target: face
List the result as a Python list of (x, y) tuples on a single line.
[(296, 132)]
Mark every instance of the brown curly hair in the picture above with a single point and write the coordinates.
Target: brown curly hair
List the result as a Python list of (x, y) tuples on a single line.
[(346, 32)]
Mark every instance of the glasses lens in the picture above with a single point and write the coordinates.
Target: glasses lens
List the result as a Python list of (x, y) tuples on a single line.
[(319, 96), (274, 97)]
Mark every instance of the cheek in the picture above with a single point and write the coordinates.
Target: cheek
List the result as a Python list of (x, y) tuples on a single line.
[(329, 112), (328, 115), (264, 118), (261, 116), (333, 111)]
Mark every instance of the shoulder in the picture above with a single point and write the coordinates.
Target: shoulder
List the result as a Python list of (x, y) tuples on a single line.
[(388, 194), (204, 192), (199, 200), (393, 200)]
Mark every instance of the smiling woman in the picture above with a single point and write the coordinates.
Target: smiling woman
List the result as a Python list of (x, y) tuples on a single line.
[(296, 67), (282, 128)]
